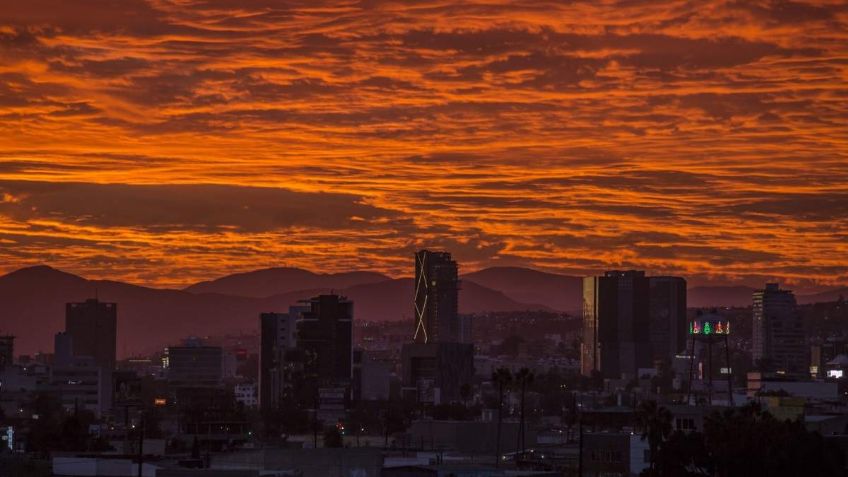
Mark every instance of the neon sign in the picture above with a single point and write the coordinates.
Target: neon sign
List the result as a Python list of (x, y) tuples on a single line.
[(709, 327)]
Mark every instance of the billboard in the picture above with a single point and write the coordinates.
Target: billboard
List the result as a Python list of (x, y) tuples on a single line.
[(709, 326)]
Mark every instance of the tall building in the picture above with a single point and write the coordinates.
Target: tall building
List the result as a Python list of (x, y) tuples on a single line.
[(93, 326), (779, 338), (436, 303), (616, 321), (79, 381), (325, 335), (668, 316), (278, 335)]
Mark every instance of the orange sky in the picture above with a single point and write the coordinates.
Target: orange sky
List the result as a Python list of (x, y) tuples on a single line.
[(169, 141)]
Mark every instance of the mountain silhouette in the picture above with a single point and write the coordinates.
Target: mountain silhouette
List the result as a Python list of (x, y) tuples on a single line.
[(558, 292), (275, 281), (150, 318)]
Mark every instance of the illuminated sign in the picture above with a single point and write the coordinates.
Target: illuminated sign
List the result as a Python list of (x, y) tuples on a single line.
[(160, 401), (834, 373), (709, 327)]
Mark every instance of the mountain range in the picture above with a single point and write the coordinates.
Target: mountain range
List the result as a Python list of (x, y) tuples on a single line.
[(149, 318)]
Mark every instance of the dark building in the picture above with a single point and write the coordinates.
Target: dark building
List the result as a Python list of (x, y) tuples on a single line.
[(435, 372), (278, 333), (7, 351), (325, 336), (436, 302), (616, 324), (779, 337), (93, 326), (668, 316), (194, 365)]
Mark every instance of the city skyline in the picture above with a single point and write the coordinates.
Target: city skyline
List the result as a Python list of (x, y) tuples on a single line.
[(162, 145)]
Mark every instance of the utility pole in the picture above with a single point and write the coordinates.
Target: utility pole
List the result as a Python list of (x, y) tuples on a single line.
[(141, 445), (580, 445)]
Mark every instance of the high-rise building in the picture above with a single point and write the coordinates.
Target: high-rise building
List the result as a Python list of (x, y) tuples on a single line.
[(668, 316), (78, 380), (436, 303), (278, 335), (325, 336), (779, 337), (616, 320), (93, 326)]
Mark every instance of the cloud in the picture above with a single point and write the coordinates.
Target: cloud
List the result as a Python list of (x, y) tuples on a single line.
[(704, 139), (201, 207)]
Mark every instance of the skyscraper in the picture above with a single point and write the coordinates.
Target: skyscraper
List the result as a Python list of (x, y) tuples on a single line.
[(616, 320), (436, 303), (668, 316), (325, 335), (278, 335), (779, 337), (93, 325)]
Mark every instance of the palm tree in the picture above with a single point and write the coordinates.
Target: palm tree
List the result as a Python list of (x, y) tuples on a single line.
[(523, 377), (502, 378), (655, 422)]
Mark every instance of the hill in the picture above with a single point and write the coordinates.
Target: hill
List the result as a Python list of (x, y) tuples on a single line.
[(275, 281), (557, 292), (149, 318)]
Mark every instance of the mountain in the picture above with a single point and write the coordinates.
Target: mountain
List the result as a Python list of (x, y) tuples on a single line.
[(558, 292), (391, 300), (275, 281), (825, 296), (707, 296), (149, 318)]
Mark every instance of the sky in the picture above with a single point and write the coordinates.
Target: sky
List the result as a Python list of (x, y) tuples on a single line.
[(164, 142)]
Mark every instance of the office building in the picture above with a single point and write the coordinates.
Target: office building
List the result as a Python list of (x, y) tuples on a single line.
[(616, 322), (79, 382), (245, 393), (278, 335), (667, 312), (325, 336), (779, 337), (93, 326), (436, 302), (194, 365)]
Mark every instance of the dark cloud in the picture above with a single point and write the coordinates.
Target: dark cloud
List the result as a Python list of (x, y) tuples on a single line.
[(184, 207)]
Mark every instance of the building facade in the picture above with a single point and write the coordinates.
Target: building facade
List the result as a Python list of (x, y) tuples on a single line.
[(616, 324), (668, 318), (194, 365), (779, 337), (436, 298), (325, 336), (93, 325), (278, 335)]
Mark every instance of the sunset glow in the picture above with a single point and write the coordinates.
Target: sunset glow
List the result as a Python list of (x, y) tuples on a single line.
[(164, 142)]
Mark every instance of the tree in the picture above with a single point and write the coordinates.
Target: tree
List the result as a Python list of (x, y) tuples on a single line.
[(655, 423), (332, 437), (465, 392), (502, 378), (524, 378)]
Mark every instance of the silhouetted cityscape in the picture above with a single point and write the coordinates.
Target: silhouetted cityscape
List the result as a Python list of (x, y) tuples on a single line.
[(317, 390), (423, 238)]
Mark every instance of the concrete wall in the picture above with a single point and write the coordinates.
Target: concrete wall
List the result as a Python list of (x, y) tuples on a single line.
[(321, 462)]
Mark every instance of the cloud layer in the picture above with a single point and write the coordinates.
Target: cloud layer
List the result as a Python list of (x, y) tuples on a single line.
[(163, 141)]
